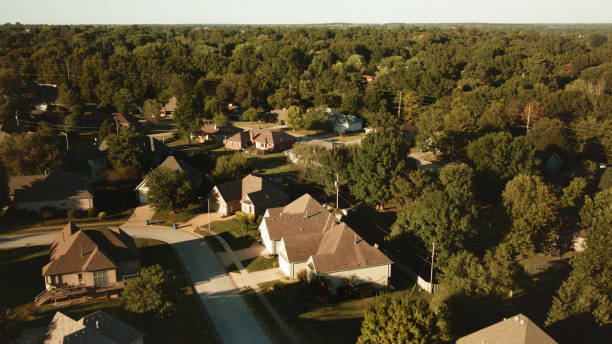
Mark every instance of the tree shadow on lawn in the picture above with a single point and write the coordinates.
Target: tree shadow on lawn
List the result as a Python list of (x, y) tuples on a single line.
[(22, 271)]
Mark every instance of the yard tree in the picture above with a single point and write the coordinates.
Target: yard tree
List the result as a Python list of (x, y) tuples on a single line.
[(151, 109), (168, 189), (186, 116), (230, 167), (533, 209), (406, 190), (504, 269), (107, 128), (70, 122), (467, 298), (606, 180), (155, 291), (399, 319), (587, 290), (573, 195), (332, 164), (124, 101), (28, 154), (126, 149), (295, 117), (502, 157), (445, 217), (251, 114), (221, 119), (381, 156)]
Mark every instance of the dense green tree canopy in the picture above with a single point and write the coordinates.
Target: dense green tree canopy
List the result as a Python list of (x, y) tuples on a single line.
[(155, 291), (534, 209), (168, 190), (127, 148), (399, 319), (587, 289), (28, 154)]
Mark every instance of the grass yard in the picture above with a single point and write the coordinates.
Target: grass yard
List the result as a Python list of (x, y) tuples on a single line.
[(348, 136), (260, 263), (311, 321), (24, 265), (166, 217), (275, 163), (233, 233), (252, 125), (10, 224)]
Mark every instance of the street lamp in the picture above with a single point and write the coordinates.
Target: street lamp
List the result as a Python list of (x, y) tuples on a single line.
[(65, 134)]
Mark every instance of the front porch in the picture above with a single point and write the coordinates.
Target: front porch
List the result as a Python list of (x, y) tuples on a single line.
[(69, 293)]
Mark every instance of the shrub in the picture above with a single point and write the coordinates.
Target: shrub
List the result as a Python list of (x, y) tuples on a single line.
[(320, 288), (31, 309), (101, 216), (156, 291), (259, 219), (91, 212), (73, 213), (47, 214)]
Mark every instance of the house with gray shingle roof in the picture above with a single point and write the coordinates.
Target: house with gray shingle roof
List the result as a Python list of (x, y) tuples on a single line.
[(307, 237), (515, 330), (193, 174), (90, 258), (251, 195), (97, 327), (58, 189)]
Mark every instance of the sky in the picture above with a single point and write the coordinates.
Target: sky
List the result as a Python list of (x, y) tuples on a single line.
[(303, 11)]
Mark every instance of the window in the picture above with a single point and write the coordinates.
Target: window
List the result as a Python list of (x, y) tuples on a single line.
[(80, 277), (100, 278)]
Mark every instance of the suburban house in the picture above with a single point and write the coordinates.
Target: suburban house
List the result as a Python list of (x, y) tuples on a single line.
[(295, 154), (368, 78), (97, 327), (251, 195), (125, 120), (58, 189), (345, 123), (307, 237), (88, 262), (279, 116), (515, 330), (553, 163), (263, 140), (173, 164), (168, 108), (234, 112), (212, 132)]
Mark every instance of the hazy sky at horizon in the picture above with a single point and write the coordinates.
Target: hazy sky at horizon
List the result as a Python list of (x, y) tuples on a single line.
[(303, 12)]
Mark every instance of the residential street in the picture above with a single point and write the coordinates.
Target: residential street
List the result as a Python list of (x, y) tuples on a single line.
[(230, 315)]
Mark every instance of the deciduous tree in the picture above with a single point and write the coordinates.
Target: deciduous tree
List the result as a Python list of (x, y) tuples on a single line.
[(154, 291), (168, 189), (399, 319)]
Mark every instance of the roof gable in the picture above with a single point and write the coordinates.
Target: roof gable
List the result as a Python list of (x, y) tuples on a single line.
[(516, 330), (58, 185)]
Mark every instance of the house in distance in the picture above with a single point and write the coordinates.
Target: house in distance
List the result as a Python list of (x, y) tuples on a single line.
[(251, 194)]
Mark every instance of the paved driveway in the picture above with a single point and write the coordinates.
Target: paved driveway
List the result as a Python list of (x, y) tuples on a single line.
[(230, 315)]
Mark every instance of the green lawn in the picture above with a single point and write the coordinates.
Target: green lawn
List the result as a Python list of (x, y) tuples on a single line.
[(348, 136), (165, 217), (24, 265), (311, 321), (271, 163), (260, 263), (252, 125), (234, 233)]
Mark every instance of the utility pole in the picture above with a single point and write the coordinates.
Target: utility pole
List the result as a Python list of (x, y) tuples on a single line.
[(337, 192), (208, 199), (433, 252), (117, 125), (68, 69), (399, 108), (528, 117), (17, 117)]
